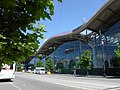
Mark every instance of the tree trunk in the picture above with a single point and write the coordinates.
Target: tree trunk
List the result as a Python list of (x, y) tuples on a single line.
[(87, 72)]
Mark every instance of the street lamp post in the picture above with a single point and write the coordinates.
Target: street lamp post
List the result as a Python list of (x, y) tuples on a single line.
[(54, 57), (103, 60)]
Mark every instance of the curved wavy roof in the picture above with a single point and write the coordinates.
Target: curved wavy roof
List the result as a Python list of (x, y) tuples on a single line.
[(105, 18)]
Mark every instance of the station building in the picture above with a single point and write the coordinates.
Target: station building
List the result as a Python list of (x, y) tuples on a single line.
[(100, 35)]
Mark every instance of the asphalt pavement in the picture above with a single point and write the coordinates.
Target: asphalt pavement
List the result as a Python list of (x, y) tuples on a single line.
[(27, 81), (23, 83)]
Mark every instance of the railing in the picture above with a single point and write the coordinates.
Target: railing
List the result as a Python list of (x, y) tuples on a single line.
[(94, 71)]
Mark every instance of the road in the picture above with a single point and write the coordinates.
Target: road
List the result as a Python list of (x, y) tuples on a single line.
[(22, 83), (26, 81)]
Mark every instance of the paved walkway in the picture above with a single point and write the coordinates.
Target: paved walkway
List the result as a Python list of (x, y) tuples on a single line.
[(84, 83)]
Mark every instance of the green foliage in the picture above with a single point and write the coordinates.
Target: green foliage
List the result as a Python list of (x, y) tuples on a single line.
[(116, 59), (39, 63), (85, 60), (20, 46), (49, 64), (19, 38), (60, 65), (117, 52), (19, 67), (115, 62), (60, 0), (78, 64), (32, 66), (39, 56)]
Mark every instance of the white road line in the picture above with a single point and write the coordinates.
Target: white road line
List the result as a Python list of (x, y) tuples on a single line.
[(3, 83), (16, 86)]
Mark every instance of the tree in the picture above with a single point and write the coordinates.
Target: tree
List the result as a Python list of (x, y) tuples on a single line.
[(85, 60), (19, 38), (117, 52), (49, 64), (60, 65), (116, 59), (39, 63), (19, 67)]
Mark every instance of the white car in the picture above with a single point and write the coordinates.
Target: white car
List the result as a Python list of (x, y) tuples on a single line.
[(39, 70), (7, 72)]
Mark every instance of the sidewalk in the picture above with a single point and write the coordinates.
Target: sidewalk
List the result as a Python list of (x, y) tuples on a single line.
[(84, 83)]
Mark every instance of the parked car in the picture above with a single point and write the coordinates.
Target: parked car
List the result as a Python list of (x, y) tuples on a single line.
[(7, 71), (39, 70), (29, 71)]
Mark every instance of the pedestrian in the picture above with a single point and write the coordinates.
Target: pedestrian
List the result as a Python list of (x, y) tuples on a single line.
[(74, 72)]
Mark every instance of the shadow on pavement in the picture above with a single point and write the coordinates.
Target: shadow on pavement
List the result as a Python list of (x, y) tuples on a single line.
[(114, 88), (98, 76), (5, 80), (89, 76), (113, 77), (79, 75)]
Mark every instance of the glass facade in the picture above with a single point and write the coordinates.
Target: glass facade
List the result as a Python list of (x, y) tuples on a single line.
[(68, 52), (110, 39), (102, 48)]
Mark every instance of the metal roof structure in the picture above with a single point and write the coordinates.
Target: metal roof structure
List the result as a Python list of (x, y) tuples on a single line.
[(105, 18), (52, 43)]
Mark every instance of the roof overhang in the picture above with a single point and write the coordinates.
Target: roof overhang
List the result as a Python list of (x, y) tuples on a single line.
[(51, 44), (105, 18)]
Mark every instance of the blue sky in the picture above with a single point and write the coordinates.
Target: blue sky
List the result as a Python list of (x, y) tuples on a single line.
[(69, 15)]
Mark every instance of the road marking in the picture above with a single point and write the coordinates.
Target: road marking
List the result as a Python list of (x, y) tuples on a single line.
[(3, 83), (16, 86), (72, 83)]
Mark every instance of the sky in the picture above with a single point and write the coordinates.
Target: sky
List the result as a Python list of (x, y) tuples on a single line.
[(69, 15)]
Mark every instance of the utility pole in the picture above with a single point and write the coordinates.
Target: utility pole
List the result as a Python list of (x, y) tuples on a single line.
[(103, 60)]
